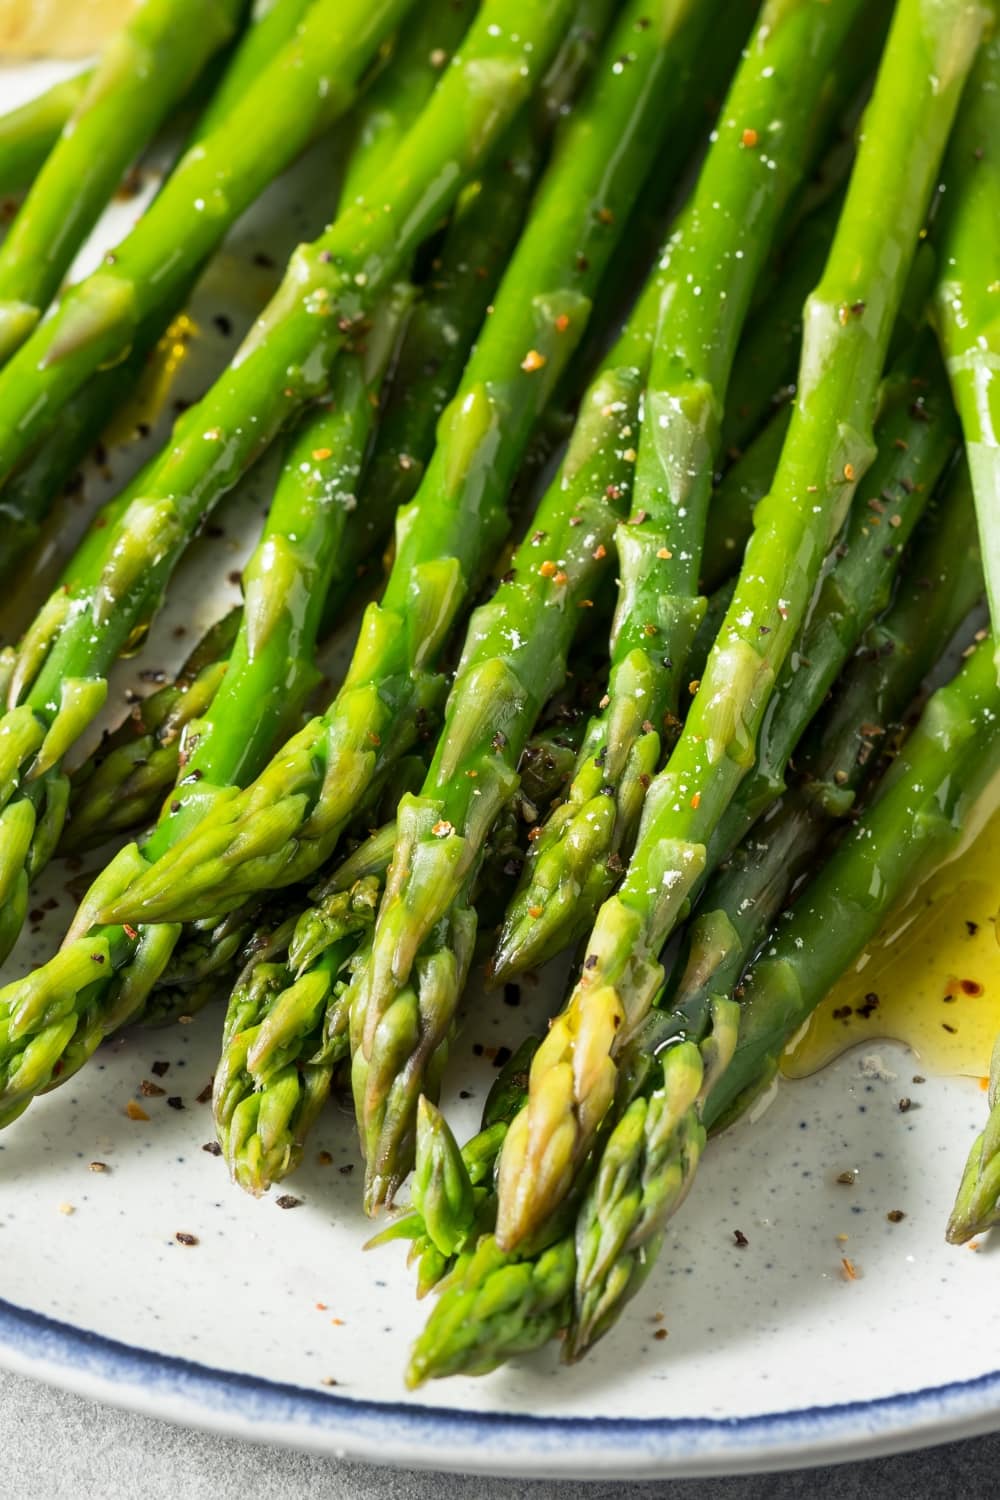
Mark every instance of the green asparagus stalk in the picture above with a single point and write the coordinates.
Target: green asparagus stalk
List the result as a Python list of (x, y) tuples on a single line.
[(28, 133), (739, 492), (308, 83), (51, 1023), (842, 748), (298, 808), (619, 1230), (513, 660), (761, 149), (146, 69), (916, 821), (451, 1197), (270, 1087), (915, 437), (121, 786), (499, 1304), (828, 448), (967, 300), (120, 570), (977, 1205), (27, 496), (297, 1007)]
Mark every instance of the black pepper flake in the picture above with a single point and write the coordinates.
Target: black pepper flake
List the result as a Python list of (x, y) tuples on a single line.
[(223, 324), (159, 1068), (919, 1078), (477, 1049), (175, 1101), (741, 1240), (590, 962), (904, 1105), (206, 1093), (347, 1169), (950, 1029), (895, 1216), (846, 1179), (503, 1056), (287, 1201), (512, 994), (183, 1238), (971, 928), (464, 1094), (213, 1148)]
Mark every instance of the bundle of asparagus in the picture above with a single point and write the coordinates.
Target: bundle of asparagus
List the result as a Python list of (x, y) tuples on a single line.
[(761, 568)]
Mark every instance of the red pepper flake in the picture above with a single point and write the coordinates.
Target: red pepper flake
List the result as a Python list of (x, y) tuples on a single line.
[(664, 553), (694, 685), (849, 472), (561, 578), (851, 1272), (534, 912), (151, 1090), (696, 800), (130, 932), (599, 552), (585, 604), (749, 138), (971, 987), (605, 216), (324, 1158), (320, 454), (533, 361), (373, 738), (442, 828), (547, 569), (638, 518), (562, 323), (183, 1238), (322, 1307)]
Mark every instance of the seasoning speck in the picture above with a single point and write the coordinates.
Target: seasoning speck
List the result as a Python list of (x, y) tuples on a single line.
[(183, 1238), (135, 1111), (287, 1201)]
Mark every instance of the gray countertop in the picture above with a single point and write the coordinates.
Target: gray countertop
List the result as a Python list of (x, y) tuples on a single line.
[(56, 1445)]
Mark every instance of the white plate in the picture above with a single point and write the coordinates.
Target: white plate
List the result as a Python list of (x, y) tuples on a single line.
[(772, 1357)]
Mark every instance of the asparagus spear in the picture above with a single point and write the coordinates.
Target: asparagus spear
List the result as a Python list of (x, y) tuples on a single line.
[(499, 1304), (914, 823), (293, 1013), (28, 134), (118, 573), (403, 1003), (829, 446), (308, 83), (27, 496), (739, 492), (121, 785), (915, 437), (618, 1238), (269, 1087), (967, 300), (146, 69), (937, 590), (51, 1023), (977, 1204), (298, 807), (714, 258)]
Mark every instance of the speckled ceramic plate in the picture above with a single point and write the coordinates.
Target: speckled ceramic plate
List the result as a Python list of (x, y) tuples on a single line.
[(274, 1325)]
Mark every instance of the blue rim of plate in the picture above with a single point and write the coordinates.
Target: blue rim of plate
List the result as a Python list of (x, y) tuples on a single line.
[(418, 1435)]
